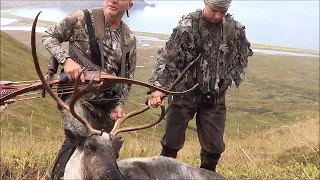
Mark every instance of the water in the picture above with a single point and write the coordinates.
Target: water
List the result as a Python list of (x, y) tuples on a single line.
[(24, 28), (267, 22), (148, 38), (6, 21), (275, 52)]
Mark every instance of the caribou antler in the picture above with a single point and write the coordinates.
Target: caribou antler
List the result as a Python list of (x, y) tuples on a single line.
[(116, 129), (76, 93)]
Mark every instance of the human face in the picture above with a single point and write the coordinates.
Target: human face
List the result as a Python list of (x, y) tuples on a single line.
[(214, 14), (116, 8)]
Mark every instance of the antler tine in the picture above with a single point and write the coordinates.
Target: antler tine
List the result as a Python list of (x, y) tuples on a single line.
[(37, 66), (121, 120), (46, 86), (116, 129), (76, 95)]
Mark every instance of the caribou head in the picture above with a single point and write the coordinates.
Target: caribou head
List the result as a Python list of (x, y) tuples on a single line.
[(94, 158)]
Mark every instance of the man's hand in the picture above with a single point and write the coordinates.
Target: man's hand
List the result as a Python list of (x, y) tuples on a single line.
[(117, 113), (155, 99), (72, 69)]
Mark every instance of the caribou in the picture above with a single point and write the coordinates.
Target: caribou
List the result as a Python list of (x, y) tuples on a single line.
[(97, 152)]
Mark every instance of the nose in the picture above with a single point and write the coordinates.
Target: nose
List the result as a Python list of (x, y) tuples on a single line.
[(218, 16)]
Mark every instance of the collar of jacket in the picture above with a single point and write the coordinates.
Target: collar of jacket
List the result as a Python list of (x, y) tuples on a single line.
[(127, 34)]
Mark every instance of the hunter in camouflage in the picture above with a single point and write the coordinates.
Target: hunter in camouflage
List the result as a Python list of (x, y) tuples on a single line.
[(101, 108), (221, 43), (73, 29)]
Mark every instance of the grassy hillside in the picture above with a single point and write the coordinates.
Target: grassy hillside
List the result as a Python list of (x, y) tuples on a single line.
[(277, 89), (17, 64), (272, 121)]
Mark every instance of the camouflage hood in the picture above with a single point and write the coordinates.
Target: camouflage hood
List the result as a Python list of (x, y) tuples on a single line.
[(224, 51)]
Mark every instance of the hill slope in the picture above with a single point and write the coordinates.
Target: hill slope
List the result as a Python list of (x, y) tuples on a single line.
[(276, 90), (38, 114), (264, 139), (17, 65)]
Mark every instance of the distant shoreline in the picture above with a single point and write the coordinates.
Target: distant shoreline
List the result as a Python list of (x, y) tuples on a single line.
[(23, 22), (253, 45)]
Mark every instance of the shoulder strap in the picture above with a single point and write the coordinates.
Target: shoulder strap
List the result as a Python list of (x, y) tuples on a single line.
[(125, 51), (83, 57), (99, 23), (95, 51), (99, 33), (99, 26), (125, 46)]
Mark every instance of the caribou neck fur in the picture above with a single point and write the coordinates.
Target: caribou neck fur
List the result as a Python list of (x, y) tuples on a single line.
[(96, 158)]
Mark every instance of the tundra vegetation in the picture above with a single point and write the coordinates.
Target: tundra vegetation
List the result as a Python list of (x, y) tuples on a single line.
[(272, 125)]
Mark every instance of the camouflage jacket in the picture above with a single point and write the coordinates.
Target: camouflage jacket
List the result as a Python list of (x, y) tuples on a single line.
[(220, 63), (74, 30)]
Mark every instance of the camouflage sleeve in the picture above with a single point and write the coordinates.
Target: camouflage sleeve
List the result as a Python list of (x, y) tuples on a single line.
[(125, 88), (175, 55), (243, 52), (245, 44), (61, 32)]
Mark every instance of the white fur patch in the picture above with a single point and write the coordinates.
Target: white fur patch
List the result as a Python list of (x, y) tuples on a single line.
[(74, 168)]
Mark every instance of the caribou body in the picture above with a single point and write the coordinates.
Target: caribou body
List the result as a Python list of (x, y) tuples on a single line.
[(96, 158), (97, 152)]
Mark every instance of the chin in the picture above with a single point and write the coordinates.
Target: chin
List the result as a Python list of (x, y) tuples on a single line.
[(112, 13), (215, 21)]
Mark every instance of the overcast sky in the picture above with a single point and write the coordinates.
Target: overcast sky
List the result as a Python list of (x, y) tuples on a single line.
[(284, 23), (288, 23)]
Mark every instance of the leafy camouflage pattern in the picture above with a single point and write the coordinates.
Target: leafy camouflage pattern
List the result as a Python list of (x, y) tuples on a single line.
[(73, 29), (220, 63)]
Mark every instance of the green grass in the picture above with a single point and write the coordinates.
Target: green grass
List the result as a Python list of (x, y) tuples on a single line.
[(286, 152), (17, 65), (278, 91)]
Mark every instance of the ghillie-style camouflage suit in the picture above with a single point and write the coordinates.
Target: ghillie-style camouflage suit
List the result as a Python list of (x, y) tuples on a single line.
[(95, 107), (220, 64)]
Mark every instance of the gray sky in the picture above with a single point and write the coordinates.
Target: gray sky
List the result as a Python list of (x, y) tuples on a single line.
[(287, 23), (282, 23)]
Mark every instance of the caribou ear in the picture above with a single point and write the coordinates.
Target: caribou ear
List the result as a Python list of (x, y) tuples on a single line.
[(74, 138), (116, 144)]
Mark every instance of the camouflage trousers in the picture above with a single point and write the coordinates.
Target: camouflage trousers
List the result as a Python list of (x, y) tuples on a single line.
[(97, 115), (210, 121)]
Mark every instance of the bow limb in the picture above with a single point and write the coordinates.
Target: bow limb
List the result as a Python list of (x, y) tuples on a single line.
[(114, 79)]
